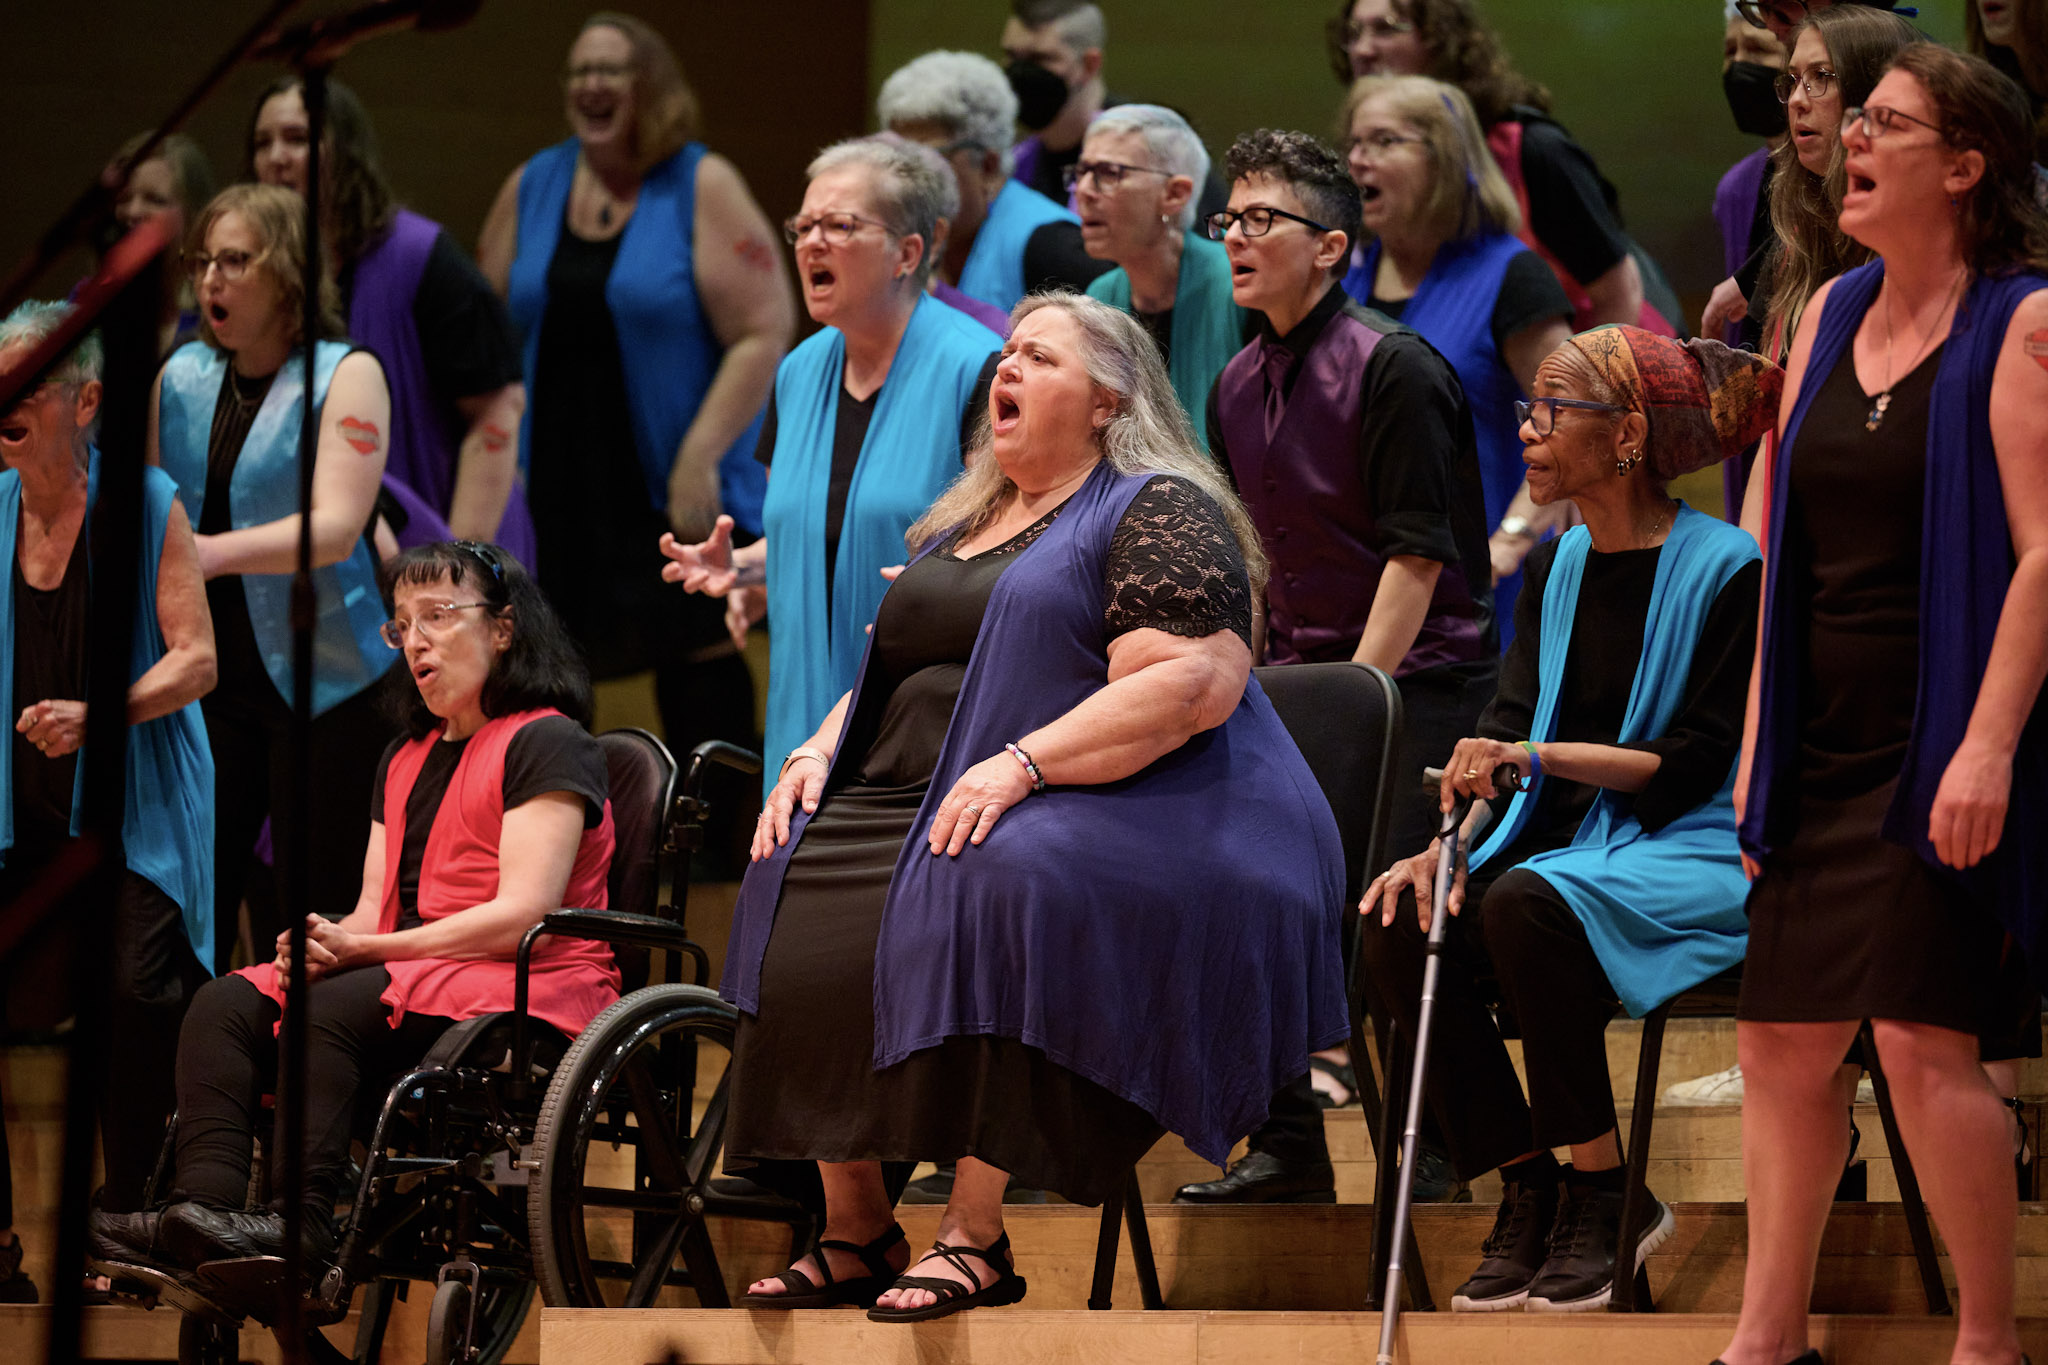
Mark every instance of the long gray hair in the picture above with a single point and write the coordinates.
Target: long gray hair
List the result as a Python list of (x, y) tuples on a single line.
[(1147, 434)]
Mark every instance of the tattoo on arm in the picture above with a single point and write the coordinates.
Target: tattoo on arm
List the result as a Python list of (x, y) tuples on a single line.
[(362, 436), (2036, 345), (496, 438), (755, 253)]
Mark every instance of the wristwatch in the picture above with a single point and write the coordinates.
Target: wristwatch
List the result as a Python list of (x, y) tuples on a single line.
[(1518, 527)]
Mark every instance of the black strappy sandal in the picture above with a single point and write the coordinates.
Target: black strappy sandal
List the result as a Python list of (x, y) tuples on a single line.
[(953, 1296), (800, 1291)]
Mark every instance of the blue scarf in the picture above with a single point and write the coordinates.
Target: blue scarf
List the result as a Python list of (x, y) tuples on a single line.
[(348, 654), (1208, 328), (1962, 594), (1453, 309), (994, 272), (1663, 911), (912, 451), (666, 344), (167, 798)]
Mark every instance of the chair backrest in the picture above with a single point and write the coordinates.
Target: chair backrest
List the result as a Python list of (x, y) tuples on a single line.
[(643, 780), (1345, 719)]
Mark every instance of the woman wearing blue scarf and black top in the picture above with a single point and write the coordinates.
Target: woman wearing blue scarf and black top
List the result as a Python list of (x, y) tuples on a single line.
[(1444, 260), (1613, 879), (226, 428), (865, 427), (1898, 772), (654, 309)]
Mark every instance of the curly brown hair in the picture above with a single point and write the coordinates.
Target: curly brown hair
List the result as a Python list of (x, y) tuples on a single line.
[(1984, 110), (1463, 51), (358, 203)]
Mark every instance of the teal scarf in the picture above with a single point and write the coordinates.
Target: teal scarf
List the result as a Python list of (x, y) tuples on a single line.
[(1663, 911), (1208, 329), (994, 270)]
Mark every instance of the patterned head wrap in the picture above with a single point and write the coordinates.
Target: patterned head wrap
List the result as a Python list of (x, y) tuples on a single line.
[(1704, 401)]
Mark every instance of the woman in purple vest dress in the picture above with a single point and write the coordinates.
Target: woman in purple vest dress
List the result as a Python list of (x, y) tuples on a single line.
[(415, 299), (1017, 855), (1895, 775)]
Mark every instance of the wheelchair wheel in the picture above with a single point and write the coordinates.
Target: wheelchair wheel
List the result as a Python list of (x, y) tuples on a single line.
[(448, 1325), (627, 1143)]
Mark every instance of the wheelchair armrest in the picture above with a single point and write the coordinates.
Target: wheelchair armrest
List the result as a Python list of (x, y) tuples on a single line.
[(617, 926), (719, 752)]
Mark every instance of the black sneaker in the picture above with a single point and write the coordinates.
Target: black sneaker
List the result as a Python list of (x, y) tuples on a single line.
[(1578, 1276), (123, 1238), (15, 1287), (192, 1234), (1436, 1180), (1513, 1252)]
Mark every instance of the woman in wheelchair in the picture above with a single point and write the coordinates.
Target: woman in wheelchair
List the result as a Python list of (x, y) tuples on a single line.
[(960, 939), (1614, 877), (489, 813)]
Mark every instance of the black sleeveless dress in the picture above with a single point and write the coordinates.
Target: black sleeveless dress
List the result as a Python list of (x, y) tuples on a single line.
[(1845, 924)]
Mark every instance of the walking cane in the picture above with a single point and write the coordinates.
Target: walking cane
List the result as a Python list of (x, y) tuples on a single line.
[(1506, 781)]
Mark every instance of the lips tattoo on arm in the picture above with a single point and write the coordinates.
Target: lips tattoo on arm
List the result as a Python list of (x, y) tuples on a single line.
[(755, 253), (2036, 346), (496, 437), (362, 436)]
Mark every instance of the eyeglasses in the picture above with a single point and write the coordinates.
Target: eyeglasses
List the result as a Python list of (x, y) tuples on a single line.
[(1106, 174), (1255, 221), (233, 264), (434, 622), (1378, 28), (1878, 119), (1377, 144), (837, 228), (1541, 413), (605, 73), (1816, 83)]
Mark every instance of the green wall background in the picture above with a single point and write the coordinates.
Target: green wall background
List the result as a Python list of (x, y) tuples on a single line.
[(1637, 81)]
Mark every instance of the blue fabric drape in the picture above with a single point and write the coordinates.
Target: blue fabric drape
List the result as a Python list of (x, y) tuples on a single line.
[(1208, 327), (994, 272)]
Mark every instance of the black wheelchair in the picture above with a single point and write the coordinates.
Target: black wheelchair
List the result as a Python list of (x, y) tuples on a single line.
[(514, 1158)]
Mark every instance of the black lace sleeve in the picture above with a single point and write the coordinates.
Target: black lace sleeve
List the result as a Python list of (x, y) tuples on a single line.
[(1175, 566)]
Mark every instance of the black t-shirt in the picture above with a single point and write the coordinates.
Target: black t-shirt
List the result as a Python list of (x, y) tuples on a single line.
[(1055, 259), (49, 665), (850, 421), (238, 659), (552, 754), (1573, 210), (465, 336), (1529, 293), (1705, 733), (1415, 448)]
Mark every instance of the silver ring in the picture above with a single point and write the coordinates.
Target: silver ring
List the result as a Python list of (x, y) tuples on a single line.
[(974, 810)]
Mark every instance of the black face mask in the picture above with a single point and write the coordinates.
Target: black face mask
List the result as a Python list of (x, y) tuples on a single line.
[(1751, 88), (1041, 94)]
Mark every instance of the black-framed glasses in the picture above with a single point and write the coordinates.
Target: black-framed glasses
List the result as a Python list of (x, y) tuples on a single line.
[(1106, 174), (1255, 221), (837, 228), (1541, 413), (436, 621), (1816, 83), (1878, 119), (233, 264)]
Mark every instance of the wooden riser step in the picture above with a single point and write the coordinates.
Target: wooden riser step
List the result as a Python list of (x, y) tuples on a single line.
[(1025, 1336)]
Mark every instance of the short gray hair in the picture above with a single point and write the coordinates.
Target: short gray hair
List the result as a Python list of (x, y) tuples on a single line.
[(1147, 434), (963, 92), (910, 193), (34, 321), (1169, 142)]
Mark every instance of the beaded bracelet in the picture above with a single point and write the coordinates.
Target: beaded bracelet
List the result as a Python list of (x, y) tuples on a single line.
[(1535, 760), (1030, 768)]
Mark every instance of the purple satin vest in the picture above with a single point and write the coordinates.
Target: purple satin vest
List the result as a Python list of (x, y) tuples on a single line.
[(426, 437), (1307, 495)]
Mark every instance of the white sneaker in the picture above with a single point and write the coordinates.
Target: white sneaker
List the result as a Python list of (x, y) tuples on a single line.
[(1723, 1087), (1866, 1091)]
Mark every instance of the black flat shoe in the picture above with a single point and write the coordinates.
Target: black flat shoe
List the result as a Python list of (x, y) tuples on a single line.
[(953, 1296), (1811, 1357), (800, 1291), (123, 1238), (1261, 1179)]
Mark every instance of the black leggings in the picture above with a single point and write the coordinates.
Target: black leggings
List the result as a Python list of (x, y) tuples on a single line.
[(153, 976), (227, 1062), (1518, 932), (249, 728)]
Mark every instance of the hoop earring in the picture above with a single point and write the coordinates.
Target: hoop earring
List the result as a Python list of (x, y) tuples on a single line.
[(1623, 466)]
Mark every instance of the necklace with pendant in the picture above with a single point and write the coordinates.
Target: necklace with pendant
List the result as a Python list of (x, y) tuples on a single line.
[(1883, 402)]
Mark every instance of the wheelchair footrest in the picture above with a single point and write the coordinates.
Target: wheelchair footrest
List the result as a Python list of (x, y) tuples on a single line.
[(245, 1284), (149, 1285)]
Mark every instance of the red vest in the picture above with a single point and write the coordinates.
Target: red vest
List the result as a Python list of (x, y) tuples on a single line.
[(572, 980)]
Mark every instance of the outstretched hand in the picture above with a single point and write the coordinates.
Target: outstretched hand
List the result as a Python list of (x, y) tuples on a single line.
[(704, 567)]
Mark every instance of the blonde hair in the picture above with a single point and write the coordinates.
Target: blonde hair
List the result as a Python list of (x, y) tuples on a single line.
[(277, 216), (1147, 434), (1468, 194), (665, 106)]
